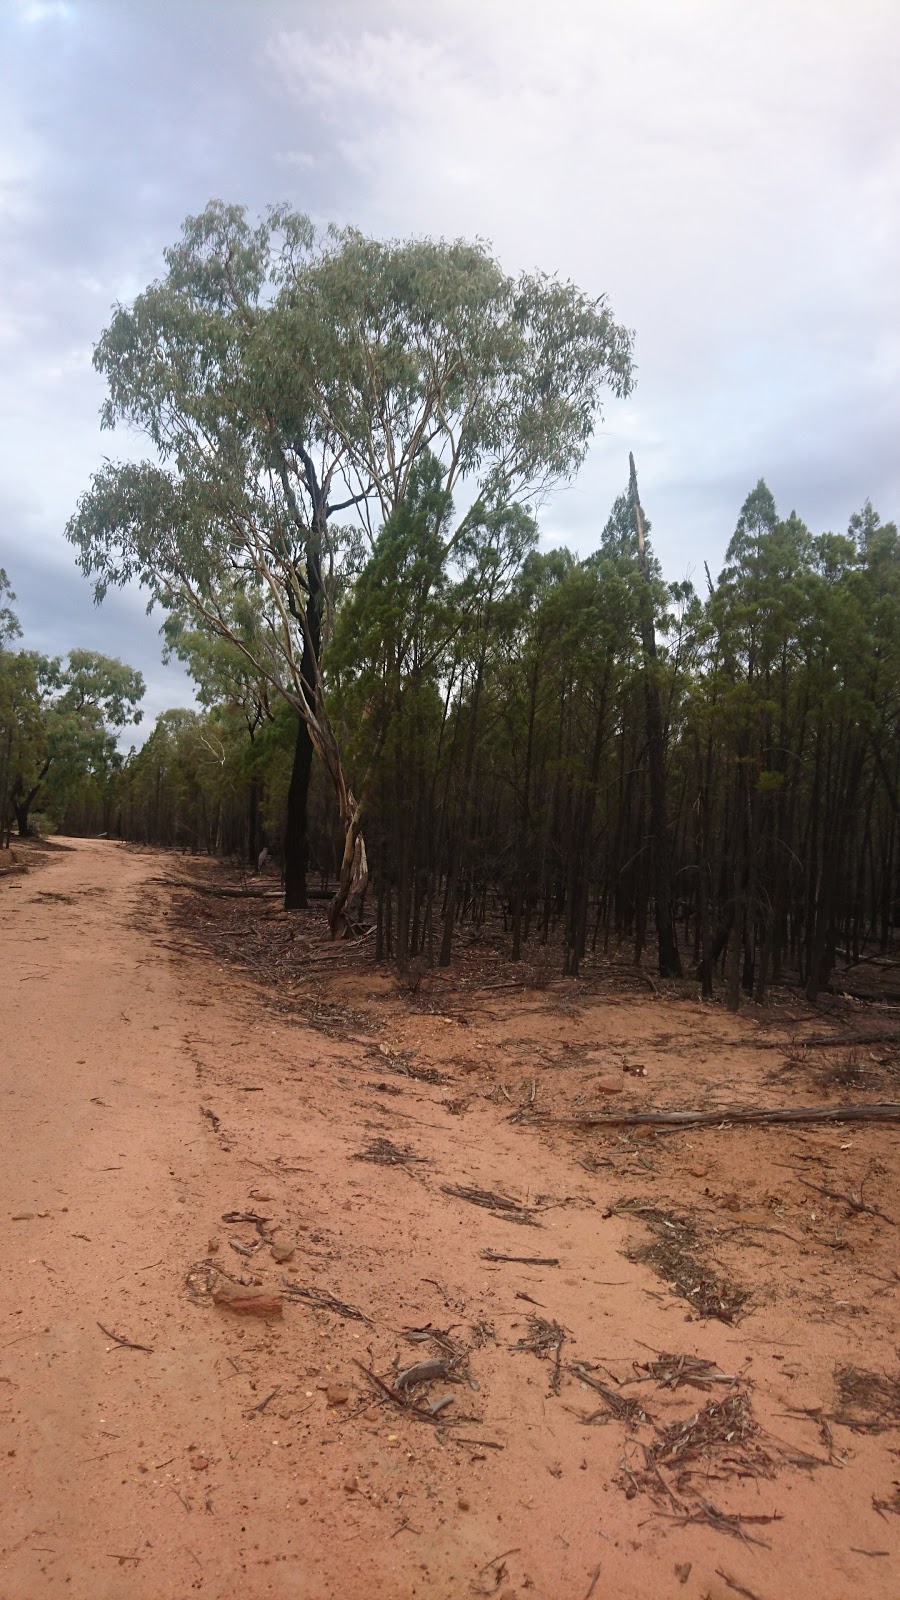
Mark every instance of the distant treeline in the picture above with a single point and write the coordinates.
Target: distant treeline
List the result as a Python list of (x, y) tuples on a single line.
[(504, 731)]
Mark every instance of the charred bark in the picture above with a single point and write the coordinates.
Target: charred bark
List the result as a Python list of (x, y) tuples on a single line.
[(667, 943)]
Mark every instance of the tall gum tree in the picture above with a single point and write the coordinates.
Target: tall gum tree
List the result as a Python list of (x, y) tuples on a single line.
[(285, 379)]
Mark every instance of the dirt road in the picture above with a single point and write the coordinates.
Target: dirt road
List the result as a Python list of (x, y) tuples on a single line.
[(147, 1094)]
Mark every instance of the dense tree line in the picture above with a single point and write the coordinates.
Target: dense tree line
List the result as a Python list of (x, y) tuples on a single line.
[(495, 701), (60, 719), (348, 443)]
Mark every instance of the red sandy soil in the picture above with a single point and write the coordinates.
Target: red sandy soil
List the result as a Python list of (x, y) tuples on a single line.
[(149, 1087)]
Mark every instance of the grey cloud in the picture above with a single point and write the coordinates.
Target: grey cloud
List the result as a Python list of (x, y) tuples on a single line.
[(729, 174)]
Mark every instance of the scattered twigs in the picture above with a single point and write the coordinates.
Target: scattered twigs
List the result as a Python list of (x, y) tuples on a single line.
[(502, 1204), (543, 1338), (127, 1344), (672, 1252), (522, 1261), (321, 1300), (855, 1202), (731, 1583), (259, 1223), (616, 1405), (671, 1371), (874, 1394), (263, 1403), (724, 1522), (385, 1154), (879, 1111), (498, 1564), (399, 1397), (724, 1427)]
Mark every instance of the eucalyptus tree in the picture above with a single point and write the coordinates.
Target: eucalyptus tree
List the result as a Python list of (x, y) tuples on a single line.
[(9, 622), (66, 717), (286, 378)]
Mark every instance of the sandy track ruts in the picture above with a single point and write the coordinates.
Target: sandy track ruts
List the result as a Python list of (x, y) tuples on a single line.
[(154, 1476)]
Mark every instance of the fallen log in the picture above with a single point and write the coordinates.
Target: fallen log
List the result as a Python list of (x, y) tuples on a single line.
[(879, 1111), (883, 997), (828, 1041), (237, 894)]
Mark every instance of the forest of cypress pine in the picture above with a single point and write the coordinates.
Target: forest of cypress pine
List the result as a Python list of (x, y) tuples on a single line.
[(413, 702), (504, 719)]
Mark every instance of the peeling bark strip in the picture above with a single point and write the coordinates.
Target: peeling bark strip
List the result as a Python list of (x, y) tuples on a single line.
[(880, 1111)]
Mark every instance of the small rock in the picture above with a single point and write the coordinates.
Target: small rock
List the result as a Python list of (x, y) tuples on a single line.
[(199, 1463), (257, 1194), (252, 1305), (608, 1086), (282, 1252), (683, 1570), (351, 1485), (212, 1245), (699, 1172), (336, 1395), (463, 1505)]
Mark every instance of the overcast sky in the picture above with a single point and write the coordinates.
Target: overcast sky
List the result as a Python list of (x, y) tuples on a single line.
[(728, 171)]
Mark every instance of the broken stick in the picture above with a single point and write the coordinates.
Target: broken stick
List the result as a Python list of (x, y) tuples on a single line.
[(522, 1261), (880, 1111), (127, 1344)]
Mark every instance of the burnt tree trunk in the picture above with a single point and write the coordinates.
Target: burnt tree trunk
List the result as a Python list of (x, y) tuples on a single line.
[(296, 838), (667, 944)]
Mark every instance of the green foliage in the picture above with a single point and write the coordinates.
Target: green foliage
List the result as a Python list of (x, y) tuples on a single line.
[(58, 723), (283, 378), (9, 622)]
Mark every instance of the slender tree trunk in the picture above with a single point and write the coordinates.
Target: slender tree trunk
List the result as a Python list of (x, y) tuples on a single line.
[(457, 842), (523, 839), (667, 944), (733, 970), (296, 840), (253, 844)]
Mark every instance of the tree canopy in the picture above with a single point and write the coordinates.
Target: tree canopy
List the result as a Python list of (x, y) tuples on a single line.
[(59, 721), (285, 379)]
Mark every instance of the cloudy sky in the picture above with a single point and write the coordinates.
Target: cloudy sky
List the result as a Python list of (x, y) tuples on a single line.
[(728, 171)]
